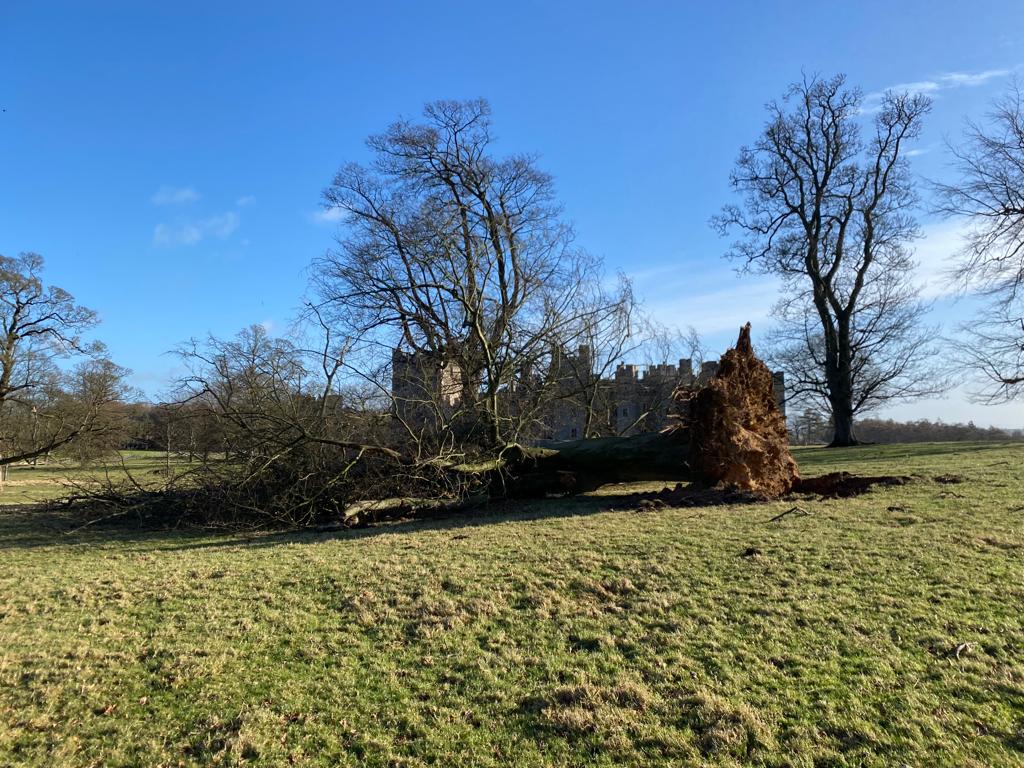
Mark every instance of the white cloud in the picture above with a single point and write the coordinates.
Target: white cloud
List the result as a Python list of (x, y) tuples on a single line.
[(329, 216), (641, 276), (245, 200), (932, 86), (220, 226), (267, 325), (921, 86), (167, 195), (176, 234), (973, 79)]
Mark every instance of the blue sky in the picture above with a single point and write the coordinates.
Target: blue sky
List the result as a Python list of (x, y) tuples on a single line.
[(167, 158)]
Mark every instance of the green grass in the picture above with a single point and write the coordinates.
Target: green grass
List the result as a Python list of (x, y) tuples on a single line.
[(552, 633), (28, 484)]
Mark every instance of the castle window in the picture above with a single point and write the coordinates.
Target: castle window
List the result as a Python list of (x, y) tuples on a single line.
[(573, 433), (625, 411)]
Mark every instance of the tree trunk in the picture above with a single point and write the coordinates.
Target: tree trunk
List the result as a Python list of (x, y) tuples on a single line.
[(842, 411), (841, 391), (842, 434), (578, 466)]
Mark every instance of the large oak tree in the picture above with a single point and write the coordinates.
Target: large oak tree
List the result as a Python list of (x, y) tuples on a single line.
[(828, 209), (461, 256)]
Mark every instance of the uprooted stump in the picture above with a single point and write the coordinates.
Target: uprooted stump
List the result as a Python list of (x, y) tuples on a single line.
[(730, 434), (738, 436)]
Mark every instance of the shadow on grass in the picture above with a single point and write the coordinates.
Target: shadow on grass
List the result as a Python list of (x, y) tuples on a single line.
[(37, 527), (30, 527)]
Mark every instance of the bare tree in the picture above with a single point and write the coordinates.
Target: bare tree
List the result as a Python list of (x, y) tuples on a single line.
[(990, 195), (291, 439), (42, 406), (94, 394), (830, 213), (893, 354), (461, 259)]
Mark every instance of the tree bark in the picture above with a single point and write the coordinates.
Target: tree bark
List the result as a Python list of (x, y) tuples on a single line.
[(841, 403), (578, 466), (843, 434)]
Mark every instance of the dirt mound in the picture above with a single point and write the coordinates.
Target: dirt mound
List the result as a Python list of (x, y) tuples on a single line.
[(841, 485), (685, 496), (738, 435)]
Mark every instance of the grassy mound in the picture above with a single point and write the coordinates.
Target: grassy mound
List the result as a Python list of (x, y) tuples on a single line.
[(883, 629)]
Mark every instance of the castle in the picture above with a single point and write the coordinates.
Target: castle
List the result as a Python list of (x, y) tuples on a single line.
[(634, 399)]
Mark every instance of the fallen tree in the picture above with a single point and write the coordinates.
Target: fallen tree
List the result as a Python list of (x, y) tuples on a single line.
[(729, 433)]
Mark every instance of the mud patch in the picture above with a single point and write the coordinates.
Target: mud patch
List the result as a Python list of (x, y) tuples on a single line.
[(685, 496), (842, 485), (836, 485)]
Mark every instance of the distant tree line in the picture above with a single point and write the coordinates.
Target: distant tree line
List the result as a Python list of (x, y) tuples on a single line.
[(815, 428)]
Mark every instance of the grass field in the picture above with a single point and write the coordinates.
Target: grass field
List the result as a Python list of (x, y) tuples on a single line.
[(883, 630), (27, 484)]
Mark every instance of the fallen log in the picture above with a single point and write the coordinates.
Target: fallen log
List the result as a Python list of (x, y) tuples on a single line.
[(583, 465), (730, 434)]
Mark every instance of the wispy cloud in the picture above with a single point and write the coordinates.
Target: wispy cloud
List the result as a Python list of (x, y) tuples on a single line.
[(711, 300), (328, 216), (655, 274), (167, 195), (935, 85), (222, 225), (186, 232), (917, 151), (954, 79), (177, 234), (245, 200)]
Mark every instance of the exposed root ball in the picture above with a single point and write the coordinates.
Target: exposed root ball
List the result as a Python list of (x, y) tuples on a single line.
[(738, 435)]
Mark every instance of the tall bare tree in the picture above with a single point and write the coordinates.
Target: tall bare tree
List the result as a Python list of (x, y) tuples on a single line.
[(830, 213), (990, 195), (461, 258), (43, 406)]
